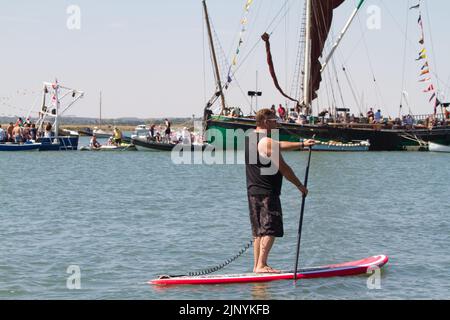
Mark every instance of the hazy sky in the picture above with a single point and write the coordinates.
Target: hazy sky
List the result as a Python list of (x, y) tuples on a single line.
[(148, 57)]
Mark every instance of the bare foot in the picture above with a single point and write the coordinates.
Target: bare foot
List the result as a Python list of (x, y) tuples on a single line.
[(267, 269)]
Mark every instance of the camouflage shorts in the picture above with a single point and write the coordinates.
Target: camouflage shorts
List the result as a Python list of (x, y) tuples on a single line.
[(266, 216)]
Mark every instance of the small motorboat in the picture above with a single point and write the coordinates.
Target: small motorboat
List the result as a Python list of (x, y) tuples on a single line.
[(122, 147), (13, 147), (358, 146), (436, 147), (149, 145)]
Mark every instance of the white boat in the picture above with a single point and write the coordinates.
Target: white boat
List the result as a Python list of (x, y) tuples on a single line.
[(100, 133), (122, 147), (435, 147)]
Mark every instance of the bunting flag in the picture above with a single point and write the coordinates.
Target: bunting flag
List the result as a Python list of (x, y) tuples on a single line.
[(423, 56), (433, 96), (429, 89), (425, 69), (244, 22)]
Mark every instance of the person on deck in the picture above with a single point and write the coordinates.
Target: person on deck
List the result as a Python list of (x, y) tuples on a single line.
[(94, 143), (2, 135), (17, 133), (48, 130), (152, 131), (370, 115), (446, 114), (273, 110), (33, 132), (26, 132), (265, 169), (9, 132), (378, 116), (282, 112), (168, 130), (117, 137)]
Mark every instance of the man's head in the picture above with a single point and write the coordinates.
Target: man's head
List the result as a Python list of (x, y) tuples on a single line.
[(265, 119)]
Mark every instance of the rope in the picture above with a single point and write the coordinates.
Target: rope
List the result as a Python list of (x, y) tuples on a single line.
[(222, 265)]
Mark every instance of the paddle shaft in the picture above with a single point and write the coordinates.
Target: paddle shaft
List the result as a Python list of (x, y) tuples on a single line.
[(299, 237)]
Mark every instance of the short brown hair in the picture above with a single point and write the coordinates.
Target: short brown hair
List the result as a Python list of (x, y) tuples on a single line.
[(263, 115)]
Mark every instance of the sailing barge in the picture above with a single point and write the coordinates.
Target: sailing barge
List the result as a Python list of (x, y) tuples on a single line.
[(319, 17)]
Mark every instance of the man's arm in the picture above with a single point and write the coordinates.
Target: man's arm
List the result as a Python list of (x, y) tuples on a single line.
[(292, 146), (289, 174), (271, 149)]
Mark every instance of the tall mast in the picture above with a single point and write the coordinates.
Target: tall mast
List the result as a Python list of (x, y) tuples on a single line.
[(100, 119), (213, 52), (307, 78), (57, 105)]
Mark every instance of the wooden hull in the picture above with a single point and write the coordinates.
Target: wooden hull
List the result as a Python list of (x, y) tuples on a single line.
[(379, 139)]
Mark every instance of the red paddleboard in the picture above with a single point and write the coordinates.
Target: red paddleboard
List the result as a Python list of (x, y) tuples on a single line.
[(335, 270)]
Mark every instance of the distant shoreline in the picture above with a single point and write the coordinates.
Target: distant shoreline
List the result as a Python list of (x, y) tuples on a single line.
[(77, 124)]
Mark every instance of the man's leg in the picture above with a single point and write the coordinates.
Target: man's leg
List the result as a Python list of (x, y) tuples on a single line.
[(265, 245), (256, 250)]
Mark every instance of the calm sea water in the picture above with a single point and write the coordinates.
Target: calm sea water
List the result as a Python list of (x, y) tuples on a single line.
[(124, 218)]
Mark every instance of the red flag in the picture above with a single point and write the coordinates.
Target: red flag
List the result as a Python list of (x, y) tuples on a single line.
[(430, 88)]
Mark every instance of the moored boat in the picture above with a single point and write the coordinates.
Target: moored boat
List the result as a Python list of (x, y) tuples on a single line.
[(333, 146), (435, 147), (122, 147), (12, 147), (149, 145)]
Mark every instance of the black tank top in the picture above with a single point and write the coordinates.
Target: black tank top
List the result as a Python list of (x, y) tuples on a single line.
[(257, 183)]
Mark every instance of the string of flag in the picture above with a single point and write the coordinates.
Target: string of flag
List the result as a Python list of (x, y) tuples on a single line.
[(423, 57), (244, 22)]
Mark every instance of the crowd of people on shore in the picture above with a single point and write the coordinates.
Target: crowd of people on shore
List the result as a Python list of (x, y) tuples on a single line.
[(23, 132)]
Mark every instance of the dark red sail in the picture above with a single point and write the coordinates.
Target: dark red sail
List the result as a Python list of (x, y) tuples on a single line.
[(322, 17)]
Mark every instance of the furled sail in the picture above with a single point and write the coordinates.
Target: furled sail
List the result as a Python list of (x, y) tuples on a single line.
[(266, 38), (321, 19)]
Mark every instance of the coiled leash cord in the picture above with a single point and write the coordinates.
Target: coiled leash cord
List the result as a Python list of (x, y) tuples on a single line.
[(223, 265)]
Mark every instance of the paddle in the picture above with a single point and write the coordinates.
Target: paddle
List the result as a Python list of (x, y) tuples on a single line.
[(299, 237)]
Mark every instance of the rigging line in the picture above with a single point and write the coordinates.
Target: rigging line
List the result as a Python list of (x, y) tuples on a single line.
[(372, 70), (236, 33), (431, 39), (334, 101), (204, 56), (286, 50), (244, 94), (339, 57), (252, 30), (411, 43), (404, 56), (297, 79), (276, 17), (333, 63), (256, 44)]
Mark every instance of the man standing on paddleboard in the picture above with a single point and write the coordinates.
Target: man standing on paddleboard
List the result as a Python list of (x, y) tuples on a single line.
[(265, 169)]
